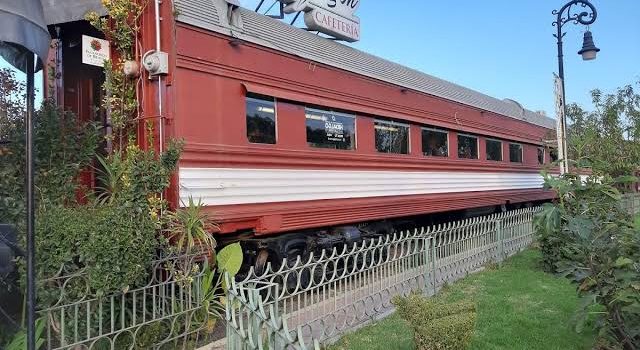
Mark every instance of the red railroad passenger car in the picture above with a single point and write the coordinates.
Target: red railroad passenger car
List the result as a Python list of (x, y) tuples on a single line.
[(287, 130), (290, 132)]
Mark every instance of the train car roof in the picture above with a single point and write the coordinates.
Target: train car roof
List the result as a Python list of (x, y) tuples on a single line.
[(253, 27)]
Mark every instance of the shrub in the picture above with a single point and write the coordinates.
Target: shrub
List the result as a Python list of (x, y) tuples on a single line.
[(587, 237), (438, 325), (64, 146), (113, 246)]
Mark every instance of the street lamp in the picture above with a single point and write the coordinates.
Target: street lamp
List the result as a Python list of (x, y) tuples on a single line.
[(589, 49), (586, 14), (23, 32)]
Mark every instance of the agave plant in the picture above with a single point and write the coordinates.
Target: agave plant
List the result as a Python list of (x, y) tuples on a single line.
[(188, 228), (110, 174)]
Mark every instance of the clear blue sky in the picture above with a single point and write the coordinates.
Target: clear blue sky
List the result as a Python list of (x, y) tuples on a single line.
[(503, 48)]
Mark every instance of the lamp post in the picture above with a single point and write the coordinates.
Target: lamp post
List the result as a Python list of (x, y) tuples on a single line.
[(586, 15), (23, 33)]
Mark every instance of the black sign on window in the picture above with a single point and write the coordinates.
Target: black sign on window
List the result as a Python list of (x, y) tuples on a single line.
[(326, 129)]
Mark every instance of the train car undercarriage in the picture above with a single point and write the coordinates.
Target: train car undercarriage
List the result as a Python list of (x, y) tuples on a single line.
[(274, 250)]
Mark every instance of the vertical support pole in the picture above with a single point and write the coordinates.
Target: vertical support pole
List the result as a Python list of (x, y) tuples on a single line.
[(500, 237), (278, 341), (234, 340), (434, 264), (31, 254), (426, 246), (254, 323)]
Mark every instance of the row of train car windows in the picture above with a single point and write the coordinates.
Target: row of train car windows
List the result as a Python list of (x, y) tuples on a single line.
[(334, 130)]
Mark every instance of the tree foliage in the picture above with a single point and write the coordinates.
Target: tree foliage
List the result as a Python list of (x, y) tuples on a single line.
[(587, 235), (607, 139), (63, 147), (589, 238)]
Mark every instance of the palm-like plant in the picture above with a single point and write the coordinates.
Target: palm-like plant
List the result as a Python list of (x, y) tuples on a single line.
[(109, 174), (189, 227)]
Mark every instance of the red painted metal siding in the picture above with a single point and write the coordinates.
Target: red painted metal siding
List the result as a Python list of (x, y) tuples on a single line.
[(207, 109)]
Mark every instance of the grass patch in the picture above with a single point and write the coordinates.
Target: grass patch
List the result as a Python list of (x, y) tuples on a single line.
[(519, 307)]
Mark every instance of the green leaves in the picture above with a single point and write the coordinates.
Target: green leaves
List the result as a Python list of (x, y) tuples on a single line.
[(590, 239), (189, 227), (623, 262), (230, 259), (111, 244), (64, 146), (605, 139), (580, 227), (436, 324), (19, 341)]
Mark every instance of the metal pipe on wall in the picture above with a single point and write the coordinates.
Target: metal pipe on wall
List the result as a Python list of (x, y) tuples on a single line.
[(158, 49)]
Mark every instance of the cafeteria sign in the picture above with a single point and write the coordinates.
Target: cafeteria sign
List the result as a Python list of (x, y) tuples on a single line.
[(94, 51), (332, 17)]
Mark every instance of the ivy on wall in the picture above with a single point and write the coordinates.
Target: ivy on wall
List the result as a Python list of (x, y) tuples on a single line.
[(121, 27)]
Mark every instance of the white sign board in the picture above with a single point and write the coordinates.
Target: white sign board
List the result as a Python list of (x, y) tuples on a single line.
[(332, 17), (95, 51), (562, 138)]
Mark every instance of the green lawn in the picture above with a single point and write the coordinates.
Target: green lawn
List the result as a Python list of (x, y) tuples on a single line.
[(519, 307)]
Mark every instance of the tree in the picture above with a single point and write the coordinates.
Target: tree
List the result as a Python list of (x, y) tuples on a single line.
[(607, 139)]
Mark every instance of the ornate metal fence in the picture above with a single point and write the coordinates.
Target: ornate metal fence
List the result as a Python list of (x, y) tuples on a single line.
[(166, 313), (631, 202), (302, 303)]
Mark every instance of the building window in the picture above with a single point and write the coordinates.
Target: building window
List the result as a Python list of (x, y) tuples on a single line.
[(435, 143), (261, 119), (467, 147), (515, 153), (494, 150), (541, 155), (333, 130), (392, 137)]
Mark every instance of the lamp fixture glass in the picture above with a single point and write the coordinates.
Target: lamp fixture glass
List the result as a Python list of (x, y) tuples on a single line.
[(589, 50)]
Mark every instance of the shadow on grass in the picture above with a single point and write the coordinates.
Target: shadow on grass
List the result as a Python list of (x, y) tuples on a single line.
[(519, 307)]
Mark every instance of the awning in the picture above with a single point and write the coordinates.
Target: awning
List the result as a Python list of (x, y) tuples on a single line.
[(63, 11), (22, 31)]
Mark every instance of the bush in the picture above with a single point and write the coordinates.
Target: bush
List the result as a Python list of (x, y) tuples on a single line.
[(113, 246), (587, 237), (438, 325), (64, 146)]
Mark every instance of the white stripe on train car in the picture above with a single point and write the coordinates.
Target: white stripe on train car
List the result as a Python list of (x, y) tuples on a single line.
[(228, 186)]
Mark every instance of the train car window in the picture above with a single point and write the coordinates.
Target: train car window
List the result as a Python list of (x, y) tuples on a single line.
[(392, 137), (540, 155), (553, 153), (333, 130), (435, 143), (467, 147), (515, 153), (261, 119), (494, 150)]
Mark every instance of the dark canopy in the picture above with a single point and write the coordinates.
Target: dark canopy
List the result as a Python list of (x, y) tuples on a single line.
[(22, 30)]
